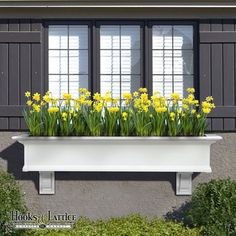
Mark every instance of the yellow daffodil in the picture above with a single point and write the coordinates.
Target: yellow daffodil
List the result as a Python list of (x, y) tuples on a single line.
[(53, 109), (124, 115), (185, 106), (47, 98), (209, 99), (193, 111), (135, 94), (98, 106), (36, 97), (97, 96), (172, 116), (83, 90), (206, 110), (142, 90), (198, 116), (175, 96), (113, 109), (36, 107), (208, 105), (190, 90), (87, 94), (145, 108), (27, 94), (127, 96), (107, 97), (160, 109), (144, 97), (115, 100), (29, 103), (54, 101), (89, 103), (67, 96), (64, 116)]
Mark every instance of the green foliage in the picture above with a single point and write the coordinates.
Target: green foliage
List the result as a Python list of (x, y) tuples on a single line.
[(133, 225), (10, 200), (213, 207)]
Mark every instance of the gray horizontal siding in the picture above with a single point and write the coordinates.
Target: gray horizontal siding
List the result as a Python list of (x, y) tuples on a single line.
[(217, 71), (20, 68)]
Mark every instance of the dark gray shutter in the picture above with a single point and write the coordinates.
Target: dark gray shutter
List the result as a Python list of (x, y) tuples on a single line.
[(217, 71), (21, 68)]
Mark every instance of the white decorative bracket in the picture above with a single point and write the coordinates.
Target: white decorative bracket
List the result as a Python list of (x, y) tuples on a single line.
[(183, 183), (46, 182)]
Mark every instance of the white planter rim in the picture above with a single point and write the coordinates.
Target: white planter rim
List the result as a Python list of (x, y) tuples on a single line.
[(207, 137)]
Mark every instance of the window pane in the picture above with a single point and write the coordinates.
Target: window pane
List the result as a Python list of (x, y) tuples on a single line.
[(58, 84), (161, 64), (110, 83), (183, 37), (78, 37), (119, 59), (58, 37), (58, 62), (76, 82), (158, 84), (162, 37), (130, 83), (130, 62), (172, 58), (68, 58), (110, 37), (78, 62), (130, 37), (110, 62), (183, 62)]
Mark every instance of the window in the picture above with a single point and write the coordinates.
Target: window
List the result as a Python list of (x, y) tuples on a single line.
[(119, 59), (123, 57), (172, 58), (68, 59)]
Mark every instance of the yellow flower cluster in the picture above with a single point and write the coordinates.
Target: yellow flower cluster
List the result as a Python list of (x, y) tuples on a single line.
[(67, 96), (36, 97), (143, 115), (142, 103), (64, 116), (113, 109), (98, 106), (159, 103), (207, 107), (53, 109), (172, 116), (124, 115), (36, 107)]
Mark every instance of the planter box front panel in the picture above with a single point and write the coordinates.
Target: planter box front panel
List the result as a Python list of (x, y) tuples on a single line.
[(117, 154)]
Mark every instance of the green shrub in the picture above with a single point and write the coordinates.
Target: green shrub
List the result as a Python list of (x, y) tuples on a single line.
[(213, 207), (133, 225), (10, 200)]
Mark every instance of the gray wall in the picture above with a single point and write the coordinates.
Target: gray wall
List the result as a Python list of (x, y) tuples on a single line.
[(101, 195)]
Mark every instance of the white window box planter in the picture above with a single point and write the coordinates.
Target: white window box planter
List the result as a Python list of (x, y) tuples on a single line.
[(183, 155)]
